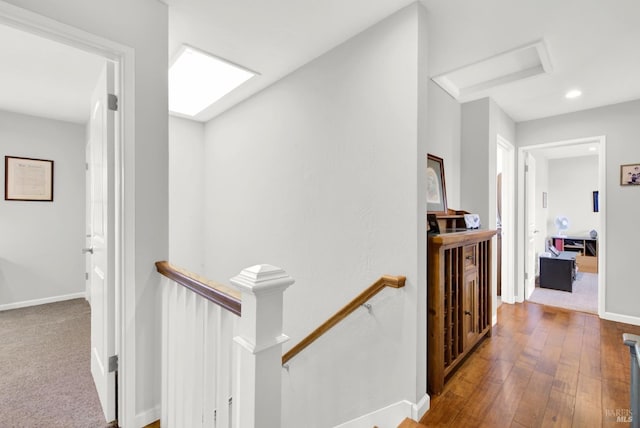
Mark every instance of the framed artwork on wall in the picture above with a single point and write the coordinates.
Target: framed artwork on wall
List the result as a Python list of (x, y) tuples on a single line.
[(436, 188), (630, 174), (596, 203), (27, 179)]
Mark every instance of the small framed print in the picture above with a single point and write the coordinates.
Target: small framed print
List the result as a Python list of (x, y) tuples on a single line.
[(27, 179), (436, 188), (630, 174)]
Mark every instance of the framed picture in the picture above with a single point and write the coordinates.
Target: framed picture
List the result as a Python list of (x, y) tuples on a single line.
[(28, 179), (596, 203), (436, 189), (630, 174)]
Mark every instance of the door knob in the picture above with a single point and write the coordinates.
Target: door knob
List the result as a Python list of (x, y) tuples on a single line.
[(87, 250)]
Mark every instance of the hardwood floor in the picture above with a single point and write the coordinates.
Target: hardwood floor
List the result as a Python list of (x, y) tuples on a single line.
[(542, 367)]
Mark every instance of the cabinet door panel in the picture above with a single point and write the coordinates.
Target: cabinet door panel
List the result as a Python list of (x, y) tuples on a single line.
[(470, 308)]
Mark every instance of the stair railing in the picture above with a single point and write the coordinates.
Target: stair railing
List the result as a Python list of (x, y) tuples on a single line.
[(360, 300), (218, 368)]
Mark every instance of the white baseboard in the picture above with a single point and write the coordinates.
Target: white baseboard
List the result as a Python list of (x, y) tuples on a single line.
[(621, 318), (390, 416), (36, 302), (147, 417), (421, 407)]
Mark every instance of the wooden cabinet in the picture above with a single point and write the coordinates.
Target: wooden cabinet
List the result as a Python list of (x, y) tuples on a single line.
[(458, 299)]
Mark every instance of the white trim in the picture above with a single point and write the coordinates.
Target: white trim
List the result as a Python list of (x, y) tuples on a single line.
[(601, 140), (125, 185), (602, 235), (147, 417), (36, 302), (420, 408), (508, 213), (391, 415), (626, 319)]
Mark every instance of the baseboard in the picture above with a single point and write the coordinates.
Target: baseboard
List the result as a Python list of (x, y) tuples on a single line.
[(145, 418), (626, 319), (390, 416), (420, 408), (36, 302)]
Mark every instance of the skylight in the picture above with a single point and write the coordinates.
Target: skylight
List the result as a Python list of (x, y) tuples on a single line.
[(198, 79), (574, 93)]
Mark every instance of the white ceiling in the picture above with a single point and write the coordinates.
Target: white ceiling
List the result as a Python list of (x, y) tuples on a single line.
[(271, 37), (592, 45), (44, 78)]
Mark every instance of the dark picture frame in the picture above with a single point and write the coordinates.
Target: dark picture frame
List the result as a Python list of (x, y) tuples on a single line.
[(28, 179), (436, 187), (630, 174), (596, 203)]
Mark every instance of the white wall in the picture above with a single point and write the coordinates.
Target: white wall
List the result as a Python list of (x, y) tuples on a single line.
[(475, 159), (40, 257), (619, 123), (573, 181), (482, 121), (444, 138), (186, 194), (143, 26), (321, 174)]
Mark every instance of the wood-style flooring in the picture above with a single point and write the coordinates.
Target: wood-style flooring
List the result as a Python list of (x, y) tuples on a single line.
[(543, 366)]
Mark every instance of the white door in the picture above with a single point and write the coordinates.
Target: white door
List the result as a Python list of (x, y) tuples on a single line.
[(530, 210), (101, 252)]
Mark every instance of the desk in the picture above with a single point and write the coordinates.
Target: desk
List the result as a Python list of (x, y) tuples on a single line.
[(558, 272)]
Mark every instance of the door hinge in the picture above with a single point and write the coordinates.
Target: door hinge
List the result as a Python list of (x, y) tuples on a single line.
[(526, 276), (86, 276), (113, 363), (526, 168), (112, 101), (86, 166)]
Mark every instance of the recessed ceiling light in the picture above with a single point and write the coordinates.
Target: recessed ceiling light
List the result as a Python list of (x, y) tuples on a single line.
[(574, 93), (198, 79)]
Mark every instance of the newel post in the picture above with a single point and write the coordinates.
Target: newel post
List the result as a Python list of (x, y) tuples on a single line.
[(260, 339)]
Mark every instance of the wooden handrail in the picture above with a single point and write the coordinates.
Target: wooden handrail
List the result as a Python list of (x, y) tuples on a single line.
[(219, 294), (375, 288)]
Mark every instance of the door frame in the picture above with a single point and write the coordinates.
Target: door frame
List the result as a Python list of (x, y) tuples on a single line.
[(124, 169), (601, 141), (508, 217)]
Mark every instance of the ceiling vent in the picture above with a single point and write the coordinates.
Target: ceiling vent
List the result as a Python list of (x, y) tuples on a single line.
[(468, 83)]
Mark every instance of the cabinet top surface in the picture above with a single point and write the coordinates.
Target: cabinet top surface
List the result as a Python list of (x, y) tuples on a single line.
[(462, 236)]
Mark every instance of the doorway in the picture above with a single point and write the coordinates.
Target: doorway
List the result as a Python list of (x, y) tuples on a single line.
[(121, 58), (561, 201)]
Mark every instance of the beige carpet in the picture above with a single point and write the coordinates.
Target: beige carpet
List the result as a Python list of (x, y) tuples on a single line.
[(45, 378), (584, 297)]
